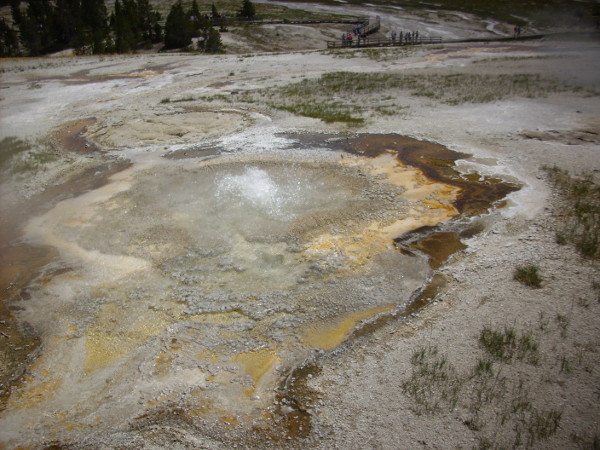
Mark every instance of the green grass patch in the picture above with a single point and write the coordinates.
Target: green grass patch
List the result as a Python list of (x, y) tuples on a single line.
[(507, 344), (328, 113), (177, 100), (10, 147), (375, 54), (348, 96), (183, 99), (434, 384), (33, 161), (529, 275), (581, 216), (20, 157), (484, 367)]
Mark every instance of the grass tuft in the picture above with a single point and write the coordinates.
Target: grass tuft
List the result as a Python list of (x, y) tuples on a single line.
[(508, 344), (528, 275), (434, 383)]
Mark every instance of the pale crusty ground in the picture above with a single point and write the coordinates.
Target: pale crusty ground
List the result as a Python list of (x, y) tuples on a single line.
[(360, 402)]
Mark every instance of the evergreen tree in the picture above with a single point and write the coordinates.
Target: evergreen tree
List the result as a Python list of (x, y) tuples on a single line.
[(123, 25), (178, 29), (9, 42), (248, 10), (196, 19), (213, 41), (67, 15), (194, 10), (50, 25), (37, 27), (134, 24), (157, 34), (93, 29), (15, 10), (149, 23)]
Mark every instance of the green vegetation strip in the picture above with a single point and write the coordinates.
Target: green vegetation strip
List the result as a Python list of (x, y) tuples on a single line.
[(581, 218), (349, 97)]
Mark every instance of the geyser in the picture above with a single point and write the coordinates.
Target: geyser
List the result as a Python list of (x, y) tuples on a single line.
[(256, 188), (197, 285)]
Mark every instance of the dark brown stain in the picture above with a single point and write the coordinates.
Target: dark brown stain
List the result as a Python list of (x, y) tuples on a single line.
[(295, 398), (71, 137), (437, 163), (439, 246), (19, 265)]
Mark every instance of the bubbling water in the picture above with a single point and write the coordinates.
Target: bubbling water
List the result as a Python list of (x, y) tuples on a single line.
[(279, 194), (256, 187)]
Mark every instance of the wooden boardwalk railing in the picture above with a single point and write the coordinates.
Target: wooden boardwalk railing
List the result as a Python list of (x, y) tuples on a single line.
[(368, 27), (355, 42)]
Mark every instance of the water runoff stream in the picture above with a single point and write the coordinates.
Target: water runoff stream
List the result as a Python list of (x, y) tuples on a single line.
[(187, 289)]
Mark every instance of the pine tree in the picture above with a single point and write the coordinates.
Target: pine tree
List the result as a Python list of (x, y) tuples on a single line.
[(9, 42), (178, 33), (15, 9), (93, 30), (134, 24), (121, 25), (68, 13), (248, 10), (50, 25), (147, 22), (195, 18), (213, 41), (157, 31), (37, 27)]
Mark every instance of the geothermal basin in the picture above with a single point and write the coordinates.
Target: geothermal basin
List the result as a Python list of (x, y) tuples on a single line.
[(193, 284)]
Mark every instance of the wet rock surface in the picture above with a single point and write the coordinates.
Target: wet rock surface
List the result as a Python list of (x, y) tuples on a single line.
[(213, 278)]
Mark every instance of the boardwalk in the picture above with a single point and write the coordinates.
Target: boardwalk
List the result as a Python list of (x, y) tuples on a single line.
[(354, 43)]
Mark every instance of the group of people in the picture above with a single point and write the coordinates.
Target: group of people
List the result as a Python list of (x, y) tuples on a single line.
[(404, 37), (347, 38), (407, 37)]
